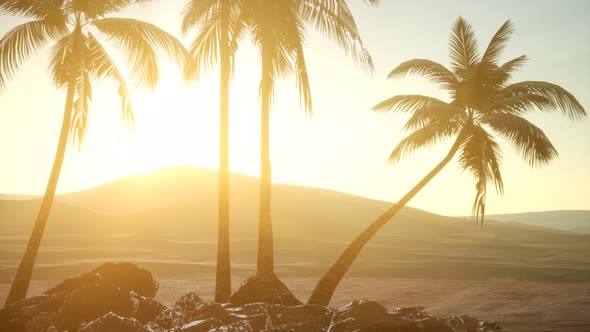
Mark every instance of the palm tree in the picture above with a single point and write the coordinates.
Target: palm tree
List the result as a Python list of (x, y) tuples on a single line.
[(483, 105), (278, 29), (216, 41), (76, 60)]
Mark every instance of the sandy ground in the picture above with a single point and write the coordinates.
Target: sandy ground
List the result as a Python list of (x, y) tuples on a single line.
[(519, 306)]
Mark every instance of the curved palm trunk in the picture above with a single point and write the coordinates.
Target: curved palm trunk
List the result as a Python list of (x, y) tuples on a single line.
[(20, 285), (223, 277), (265, 240), (324, 289)]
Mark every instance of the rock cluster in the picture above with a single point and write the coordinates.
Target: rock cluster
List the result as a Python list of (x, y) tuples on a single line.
[(117, 297)]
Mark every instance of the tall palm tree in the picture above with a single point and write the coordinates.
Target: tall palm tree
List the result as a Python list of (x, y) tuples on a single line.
[(278, 29), (216, 41), (483, 105), (77, 59)]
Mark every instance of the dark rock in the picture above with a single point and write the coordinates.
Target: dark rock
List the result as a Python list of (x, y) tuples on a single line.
[(201, 325), (211, 310), (145, 309), (188, 303), (432, 324), (15, 317), (126, 276), (113, 323), (241, 326), (489, 326), (91, 302), (463, 323), (169, 318), (358, 315), (268, 289), (285, 318), (41, 322)]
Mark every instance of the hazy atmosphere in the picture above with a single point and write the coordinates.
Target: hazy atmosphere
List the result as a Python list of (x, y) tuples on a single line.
[(344, 146), (294, 165)]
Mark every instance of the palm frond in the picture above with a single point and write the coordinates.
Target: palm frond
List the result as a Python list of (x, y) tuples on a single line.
[(300, 69), (196, 12), (60, 56), (506, 70), (21, 42), (561, 98), (406, 103), (481, 155), (47, 9), (463, 47), (334, 20), (529, 139), (427, 68), (433, 114), (424, 137), (101, 66), (79, 124), (139, 41), (518, 104), (204, 50), (498, 43), (93, 9)]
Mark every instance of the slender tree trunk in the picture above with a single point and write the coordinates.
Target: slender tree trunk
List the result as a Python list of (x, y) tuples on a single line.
[(324, 289), (265, 237), (20, 285), (223, 278)]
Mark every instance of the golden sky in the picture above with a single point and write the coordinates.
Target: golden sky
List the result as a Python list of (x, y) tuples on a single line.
[(344, 146)]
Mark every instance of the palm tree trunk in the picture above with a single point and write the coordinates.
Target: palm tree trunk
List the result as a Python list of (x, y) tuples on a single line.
[(20, 285), (265, 237), (223, 277), (324, 289)]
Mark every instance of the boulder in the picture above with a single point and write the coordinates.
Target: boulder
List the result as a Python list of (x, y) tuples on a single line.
[(145, 309), (126, 276), (463, 323), (201, 325), (111, 323), (91, 302), (188, 303), (169, 319), (268, 289)]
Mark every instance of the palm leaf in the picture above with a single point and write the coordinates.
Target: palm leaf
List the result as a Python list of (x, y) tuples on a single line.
[(498, 43), (139, 41), (334, 20), (561, 98), (196, 12), (529, 139), (433, 114), (429, 69), (19, 43), (204, 50), (40, 10), (101, 66), (463, 47), (481, 155), (424, 137), (406, 103), (94, 9)]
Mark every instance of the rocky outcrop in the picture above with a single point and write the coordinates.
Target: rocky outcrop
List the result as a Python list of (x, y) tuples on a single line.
[(118, 297), (267, 289)]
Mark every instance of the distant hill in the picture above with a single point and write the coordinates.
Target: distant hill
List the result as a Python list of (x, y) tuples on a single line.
[(569, 220), (167, 221)]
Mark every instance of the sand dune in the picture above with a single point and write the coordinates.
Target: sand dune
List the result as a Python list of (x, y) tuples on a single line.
[(166, 222)]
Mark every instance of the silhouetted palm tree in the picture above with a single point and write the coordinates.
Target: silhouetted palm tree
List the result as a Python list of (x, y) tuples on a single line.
[(483, 105), (278, 29), (216, 20), (76, 60)]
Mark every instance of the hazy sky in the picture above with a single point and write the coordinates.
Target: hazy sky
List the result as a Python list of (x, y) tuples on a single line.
[(344, 146)]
